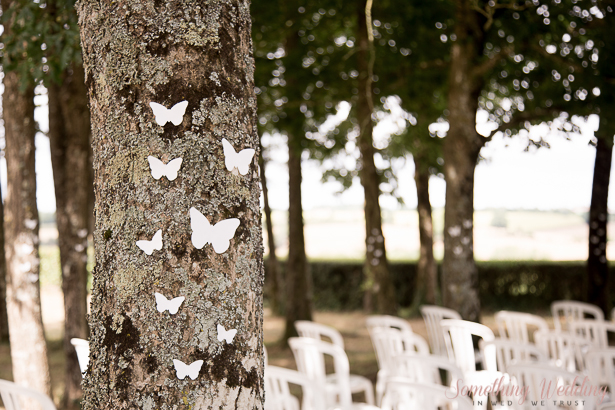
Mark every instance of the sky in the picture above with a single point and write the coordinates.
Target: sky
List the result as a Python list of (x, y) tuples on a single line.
[(511, 177)]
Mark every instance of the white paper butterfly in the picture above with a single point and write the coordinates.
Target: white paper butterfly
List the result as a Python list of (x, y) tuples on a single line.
[(227, 335), (191, 370), (160, 169), (155, 244), (240, 160), (219, 235), (174, 114), (172, 305)]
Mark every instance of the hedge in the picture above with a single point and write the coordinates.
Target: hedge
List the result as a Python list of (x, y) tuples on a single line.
[(522, 286)]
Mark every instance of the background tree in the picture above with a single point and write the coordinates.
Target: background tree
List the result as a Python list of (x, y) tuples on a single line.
[(46, 49), (135, 54), (4, 320), (27, 339)]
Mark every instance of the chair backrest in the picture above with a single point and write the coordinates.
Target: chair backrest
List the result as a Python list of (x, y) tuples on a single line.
[(310, 358), (519, 326), (82, 347), (535, 376), (426, 369), (601, 368), (568, 311), (508, 352), (594, 331), (432, 315), (606, 406), (278, 394), (314, 330), (389, 342), (563, 349), (404, 394), (459, 344), (12, 396), (377, 321)]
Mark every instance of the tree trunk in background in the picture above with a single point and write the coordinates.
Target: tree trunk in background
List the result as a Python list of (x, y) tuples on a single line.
[(27, 338), (376, 268), (69, 136), (298, 280), (461, 148), (597, 263), (274, 281), (136, 53), (427, 269), (4, 321)]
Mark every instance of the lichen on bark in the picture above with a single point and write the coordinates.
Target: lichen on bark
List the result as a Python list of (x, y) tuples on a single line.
[(166, 52)]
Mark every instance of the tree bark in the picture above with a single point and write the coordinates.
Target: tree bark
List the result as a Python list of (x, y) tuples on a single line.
[(136, 53), (426, 279), (27, 338), (376, 267), (4, 320), (69, 136), (298, 280), (461, 148), (274, 280), (597, 263)]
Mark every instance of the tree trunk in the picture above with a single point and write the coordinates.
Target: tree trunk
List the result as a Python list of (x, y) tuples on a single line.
[(69, 136), (27, 338), (461, 148), (597, 263), (137, 53), (298, 280), (4, 321), (426, 278), (376, 268), (274, 280)]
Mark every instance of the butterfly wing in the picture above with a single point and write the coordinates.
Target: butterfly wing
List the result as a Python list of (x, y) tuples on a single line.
[(162, 303), (193, 369), (229, 154), (172, 168), (181, 369), (174, 304), (160, 112), (176, 113), (201, 228), (230, 335), (156, 166), (222, 233), (157, 240), (221, 333), (243, 160)]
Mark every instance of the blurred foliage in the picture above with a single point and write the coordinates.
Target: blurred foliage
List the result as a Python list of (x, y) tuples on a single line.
[(504, 285), (50, 269), (43, 40)]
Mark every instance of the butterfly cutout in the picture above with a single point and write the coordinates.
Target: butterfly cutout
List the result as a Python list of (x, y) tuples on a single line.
[(160, 169), (174, 114), (233, 159), (227, 335), (191, 370), (155, 244), (172, 305), (219, 235)]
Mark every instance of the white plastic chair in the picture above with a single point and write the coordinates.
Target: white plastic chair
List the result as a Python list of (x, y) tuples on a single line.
[(519, 326), (606, 406), (457, 335), (318, 331), (278, 393), (594, 331), (601, 368), (389, 342), (571, 310), (82, 347), (563, 349), (426, 369), (402, 394), (13, 395), (306, 328), (377, 321), (338, 386), (533, 375), (508, 352), (432, 315)]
